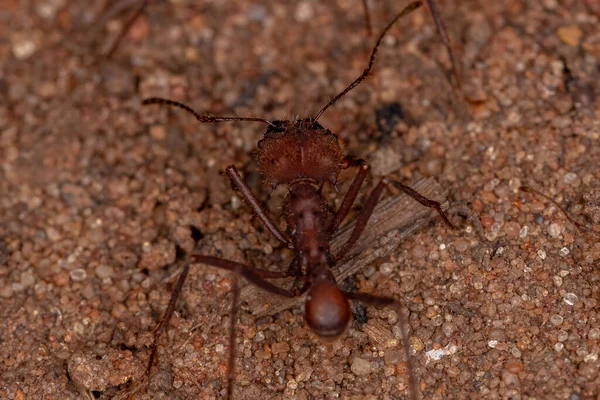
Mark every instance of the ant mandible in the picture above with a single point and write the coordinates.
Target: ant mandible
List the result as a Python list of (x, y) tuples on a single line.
[(304, 155)]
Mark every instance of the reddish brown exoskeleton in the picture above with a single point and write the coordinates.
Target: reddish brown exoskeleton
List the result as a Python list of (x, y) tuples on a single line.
[(304, 155)]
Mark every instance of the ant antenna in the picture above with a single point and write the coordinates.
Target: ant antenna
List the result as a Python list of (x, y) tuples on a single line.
[(578, 225), (408, 9), (445, 40), (202, 118)]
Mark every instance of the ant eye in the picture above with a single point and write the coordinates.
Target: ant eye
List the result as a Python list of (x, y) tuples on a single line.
[(276, 127), (317, 126), (260, 144)]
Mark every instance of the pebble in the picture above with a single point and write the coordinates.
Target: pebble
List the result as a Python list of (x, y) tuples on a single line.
[(562, 335), (361, 367), (512, 229), (281, 347), (27, 278), (513, 366), (24, 45), (259, 337), (554, 230), (78, 274), (104, 271), (559, 346), (570, 298), (6, 291), (594, 333), (588, 370), (392, 356), (570, 35), (556, 319)]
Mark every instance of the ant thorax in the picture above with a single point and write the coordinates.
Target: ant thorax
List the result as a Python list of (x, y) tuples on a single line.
[(306, 213), (292, 150)]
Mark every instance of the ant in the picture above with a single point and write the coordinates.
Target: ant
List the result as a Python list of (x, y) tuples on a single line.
[(305, 156)]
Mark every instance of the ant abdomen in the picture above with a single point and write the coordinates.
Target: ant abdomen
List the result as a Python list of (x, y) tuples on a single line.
[(299, 149), (327, 310)]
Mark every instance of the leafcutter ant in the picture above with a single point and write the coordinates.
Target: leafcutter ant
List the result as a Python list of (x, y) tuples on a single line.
[(303, 155)]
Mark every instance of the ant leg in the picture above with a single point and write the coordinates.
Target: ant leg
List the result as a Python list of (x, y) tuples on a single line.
[(126, 28), (232, 344), (239, 269), (422, 199), (372, 201), (362, 220), (578, 225), (389, 302), (164, 323), (252, 276), (444, 35), (291, 271), (239, 184), (350, 161), (367, 17), (248, 273)]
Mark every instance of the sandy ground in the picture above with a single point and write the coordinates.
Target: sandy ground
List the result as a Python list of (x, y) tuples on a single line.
[(100, 199)]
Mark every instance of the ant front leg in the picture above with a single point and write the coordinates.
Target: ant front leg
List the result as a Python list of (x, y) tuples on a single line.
[(238, 183), (369, 299), (359, 179), (372, 201)]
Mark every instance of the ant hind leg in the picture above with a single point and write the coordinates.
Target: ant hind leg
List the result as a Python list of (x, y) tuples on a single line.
[(381, 301)]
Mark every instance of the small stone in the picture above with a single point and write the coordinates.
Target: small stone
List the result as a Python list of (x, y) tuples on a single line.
[(392, 356), (259, 337), (570, 35), (554, 230), (541, 254), (280, 348), (588, 371), (262, 354), (559, 346), (556, 319), (570, 298), (361, 367), (386, 268), (415, 344), (61, 279), (6, 291), (512, 229), (448, 328), (78, 274), (562, 335), (304, 12), (523, 232), (27, 278), (158, 132), (23, 45), (594, 333), (558, 281), (570, 177), (513, 366), (104, 271), (563, 252), (292, 384), (303, 373)]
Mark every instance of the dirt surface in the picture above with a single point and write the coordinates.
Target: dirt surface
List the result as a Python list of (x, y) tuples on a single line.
[(100, 199)]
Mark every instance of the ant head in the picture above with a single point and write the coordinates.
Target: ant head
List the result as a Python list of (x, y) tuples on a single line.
[(298, 149), (327, 308)]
